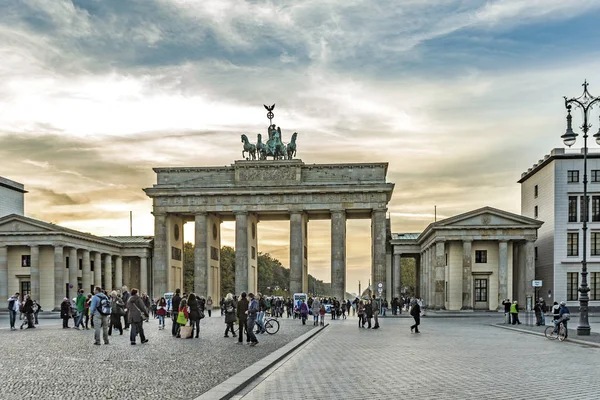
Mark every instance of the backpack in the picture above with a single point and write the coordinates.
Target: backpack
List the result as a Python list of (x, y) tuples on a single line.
[(104, 306)]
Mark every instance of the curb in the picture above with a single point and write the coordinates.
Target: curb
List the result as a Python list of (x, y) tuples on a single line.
[(576, 341), (237, 382)]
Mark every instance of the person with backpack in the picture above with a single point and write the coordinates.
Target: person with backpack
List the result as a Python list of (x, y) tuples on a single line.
[(13, 308), (117, 308), (137, 315), (100, 311)]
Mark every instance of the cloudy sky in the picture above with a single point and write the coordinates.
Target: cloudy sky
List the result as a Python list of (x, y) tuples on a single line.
[(459, 96)]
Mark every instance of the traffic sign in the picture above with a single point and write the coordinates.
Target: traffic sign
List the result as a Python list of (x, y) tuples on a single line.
[(380, 285), (380, 290), (536, 283)]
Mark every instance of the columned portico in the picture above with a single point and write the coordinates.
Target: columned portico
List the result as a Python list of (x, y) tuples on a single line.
[(466, 274), (440, 273), (397, 291), (108, 276), (34, 252), (502, 272), (59, 289), (241, 252), (97, 269), (201, 254), (378, 238), (73, 272), (144, 274), (338, 254), (298, 256), (86, 276), (118, 272), (3, 272), (161, 260)]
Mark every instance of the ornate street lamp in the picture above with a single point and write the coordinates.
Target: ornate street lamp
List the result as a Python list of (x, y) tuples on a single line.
[(586, 102)]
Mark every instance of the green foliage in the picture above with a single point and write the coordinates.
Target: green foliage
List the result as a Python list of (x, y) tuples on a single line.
[(227, 261), (408, 274)]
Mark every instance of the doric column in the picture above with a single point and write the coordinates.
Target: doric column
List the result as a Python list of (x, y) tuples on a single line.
[(59, 288), (440, 274), (201, 254), (97, 269), (108, 281), (86, 274), (529, 269), (35, 272), (119, 272), (161, 255), (432, 269), (144, 275), (418, 273), (338, 254), (241, 252), (397, 283), (502, 271), (73, 272), (296, 252), (3, 272), (466, 275), (378, 238)]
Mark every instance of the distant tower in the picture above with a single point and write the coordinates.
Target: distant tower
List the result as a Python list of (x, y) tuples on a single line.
[(359, 292)]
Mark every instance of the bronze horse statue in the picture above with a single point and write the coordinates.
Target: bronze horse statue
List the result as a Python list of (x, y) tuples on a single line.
[(248, 148), (291, 147)]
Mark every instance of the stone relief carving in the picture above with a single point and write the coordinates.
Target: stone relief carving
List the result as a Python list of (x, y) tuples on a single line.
[(267, 175)]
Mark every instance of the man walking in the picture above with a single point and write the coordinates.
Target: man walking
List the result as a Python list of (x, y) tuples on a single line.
[(80, 303), (99, 310), (125, 297), (13, 309), (415, 311), (242, 314), (252, 312), (138, 313), (376, 308)]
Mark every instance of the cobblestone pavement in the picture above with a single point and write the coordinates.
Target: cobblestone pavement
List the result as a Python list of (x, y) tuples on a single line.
[(54, 363), (451, 359)]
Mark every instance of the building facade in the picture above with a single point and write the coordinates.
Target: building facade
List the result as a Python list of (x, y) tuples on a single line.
[(470, 261), (12, 197), (552, 191), (51, 262)]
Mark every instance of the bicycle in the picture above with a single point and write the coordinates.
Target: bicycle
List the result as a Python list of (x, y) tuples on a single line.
[(561, 335), (271, 325)]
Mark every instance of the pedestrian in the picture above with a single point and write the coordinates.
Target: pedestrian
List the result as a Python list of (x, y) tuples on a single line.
[(563, 316), (360, 310), (316, 307), (514, 313), (262, 309), (80, 304), (182, 316), (544, 310), (222, 305), (369, 312), (194, 314), (343, 308), (230, 317), (14, 305), (538, 313), (87, 311), (28, 312), (161, 312), (138, 313), (175, 304), (209, 305), (125, 297), (415, 311), (65, 312), (100, 310), (506, 303), (555, 311), (322, 314), (36, 310), (303, 312), (242, 314), (252, 312), (376, 304), (117, 310)]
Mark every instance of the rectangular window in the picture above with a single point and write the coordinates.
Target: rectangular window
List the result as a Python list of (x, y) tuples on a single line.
[(481, 290), (582, 210), (80, 264), (92, 268), (596, 208), (572, 243), (595, 244), (535, 212), (175, 253), (67, 263), (535, 252), (535, 191), (594, 285), (572, 208), (25, 261), (214, 253), (572, 285), (253, 253), (596, 175), (481, 256), (573, 176), (25, 288)]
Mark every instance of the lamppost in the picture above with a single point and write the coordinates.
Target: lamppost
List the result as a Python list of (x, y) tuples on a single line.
[(586, 102)]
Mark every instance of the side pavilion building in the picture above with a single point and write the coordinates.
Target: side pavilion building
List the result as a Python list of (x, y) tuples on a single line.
[(470, 261)]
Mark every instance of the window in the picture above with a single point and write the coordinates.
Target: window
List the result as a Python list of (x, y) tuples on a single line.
[(596, 208), (572, 208), (481, 256), (572, 243), (481, 290), (535, 252), (25, 288), (594, 285), (573, 176), (25, 261), (535, 191), (175, 253), (535, 212), (595, 244), (582, 210), (572, 285), (596, 175), (67, 265), (80, 264), (92, 268)]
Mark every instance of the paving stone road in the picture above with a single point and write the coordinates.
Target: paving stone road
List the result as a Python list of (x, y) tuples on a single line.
[(54, 363), (454, 358)]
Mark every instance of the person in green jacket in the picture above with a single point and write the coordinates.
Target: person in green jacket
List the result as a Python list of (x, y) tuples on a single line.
[(80, 304), (514, 313)]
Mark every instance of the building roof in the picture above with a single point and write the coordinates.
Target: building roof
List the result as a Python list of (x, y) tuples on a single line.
[(557, 153), (7, 183), (405, 236), (131, 239)]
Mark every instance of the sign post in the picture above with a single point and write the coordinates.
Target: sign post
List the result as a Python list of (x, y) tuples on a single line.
[(380, 290)]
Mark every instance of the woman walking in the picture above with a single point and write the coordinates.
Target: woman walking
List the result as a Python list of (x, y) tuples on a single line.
[(209, 305), (161, 312), (117, 311), (194, 315), (368, 313), (316, 307), (230, 315)]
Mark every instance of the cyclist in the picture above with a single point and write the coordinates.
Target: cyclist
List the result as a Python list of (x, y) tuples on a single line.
[(564, 316)]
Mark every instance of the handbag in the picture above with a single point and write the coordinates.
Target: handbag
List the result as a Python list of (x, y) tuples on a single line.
[(566, 317), (185, 331), (201, 314), (181, 319)]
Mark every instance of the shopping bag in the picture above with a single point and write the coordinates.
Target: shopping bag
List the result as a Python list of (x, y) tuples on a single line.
[(186, 332), (181, 319)]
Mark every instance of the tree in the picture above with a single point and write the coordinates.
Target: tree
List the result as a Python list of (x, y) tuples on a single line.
[(408, 274), (227, 270)]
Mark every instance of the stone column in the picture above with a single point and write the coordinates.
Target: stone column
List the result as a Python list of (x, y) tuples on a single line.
[(378, 238), (4, 272), (418, 273), (241, 252), (466, 274), (338, 254), (432, 271), (59, 288), (97, 269), (296, 252), (161, 255), (86, 273), (73, 272), (440, 275), (397, 283), (35, 272), (201, 255), (502, 272), (144, 275), (108, 277), (529, 269)]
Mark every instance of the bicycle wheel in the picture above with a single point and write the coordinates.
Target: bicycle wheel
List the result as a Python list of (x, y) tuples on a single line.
[(272, 326), (549, 332), (562, 333)]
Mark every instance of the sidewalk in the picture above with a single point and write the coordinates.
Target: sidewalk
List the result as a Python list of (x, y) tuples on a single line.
[(593, 339)]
